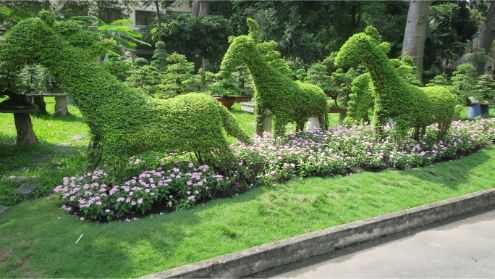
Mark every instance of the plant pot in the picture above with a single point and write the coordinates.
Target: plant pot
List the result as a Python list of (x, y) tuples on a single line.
[(484, 109), (474, 111), (227, 101)]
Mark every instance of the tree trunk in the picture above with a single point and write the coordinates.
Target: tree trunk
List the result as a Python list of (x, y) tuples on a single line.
[(39, 101), (487, 33), (200, 8), (61, 106), (415, 33), (158, 21), (24, 127)]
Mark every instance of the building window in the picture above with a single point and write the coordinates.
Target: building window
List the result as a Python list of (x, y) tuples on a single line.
[(111, 14), (144, 17)]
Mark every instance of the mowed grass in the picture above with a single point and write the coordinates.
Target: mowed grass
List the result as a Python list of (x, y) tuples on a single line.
[(61, 152), (38, 239)]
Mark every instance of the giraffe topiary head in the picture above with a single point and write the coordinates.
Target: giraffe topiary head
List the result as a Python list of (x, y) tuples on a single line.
[(358, 48), (240, 49)]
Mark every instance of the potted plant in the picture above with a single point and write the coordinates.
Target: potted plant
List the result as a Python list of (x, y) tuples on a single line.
[(226, 90)]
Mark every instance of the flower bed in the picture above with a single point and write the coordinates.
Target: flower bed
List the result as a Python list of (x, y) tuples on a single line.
[(349, 149), (169, 186), (340, 150)]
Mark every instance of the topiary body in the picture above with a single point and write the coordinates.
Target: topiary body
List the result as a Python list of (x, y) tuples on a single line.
[(288, 100), (408, 106), (122, 121)]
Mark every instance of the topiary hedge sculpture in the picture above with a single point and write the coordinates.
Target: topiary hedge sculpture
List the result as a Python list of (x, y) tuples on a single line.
[(122, 121), (361, 99), (396, 101), (288, 100)]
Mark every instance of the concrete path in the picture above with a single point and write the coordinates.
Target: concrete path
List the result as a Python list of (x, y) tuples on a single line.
[(463, 248)]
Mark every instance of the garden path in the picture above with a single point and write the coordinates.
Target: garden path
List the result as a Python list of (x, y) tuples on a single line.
[(461, 249)]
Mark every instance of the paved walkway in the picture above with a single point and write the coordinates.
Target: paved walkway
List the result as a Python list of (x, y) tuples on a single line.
[(464, 248)]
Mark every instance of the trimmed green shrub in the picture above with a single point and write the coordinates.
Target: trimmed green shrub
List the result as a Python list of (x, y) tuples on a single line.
[(362, 99), (122, 121), (288, 100), (484, 90), (397, 101), (159, 59), (464, 81)]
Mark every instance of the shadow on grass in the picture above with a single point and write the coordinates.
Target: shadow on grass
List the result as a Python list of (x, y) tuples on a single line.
[(115, 249), (68, 118), (44, 165), (451, 173)]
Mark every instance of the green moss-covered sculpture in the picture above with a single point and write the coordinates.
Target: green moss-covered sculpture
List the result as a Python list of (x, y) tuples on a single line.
[(396, 100), (123, 122), (288, 100)]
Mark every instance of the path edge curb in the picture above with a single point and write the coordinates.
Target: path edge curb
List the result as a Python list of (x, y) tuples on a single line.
[(266, 256)]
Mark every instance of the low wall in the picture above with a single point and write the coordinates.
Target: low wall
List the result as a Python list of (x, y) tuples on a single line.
[(270, 255)]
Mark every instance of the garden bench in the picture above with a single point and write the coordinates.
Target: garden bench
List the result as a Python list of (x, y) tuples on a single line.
[(60, 101)]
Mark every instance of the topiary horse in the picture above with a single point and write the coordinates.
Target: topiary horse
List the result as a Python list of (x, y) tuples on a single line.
[(408, 106), (123, 122), (288, 100)]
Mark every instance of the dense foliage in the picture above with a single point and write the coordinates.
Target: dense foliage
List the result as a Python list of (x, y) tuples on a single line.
[(395, 98), (122, 121), (288, 100)]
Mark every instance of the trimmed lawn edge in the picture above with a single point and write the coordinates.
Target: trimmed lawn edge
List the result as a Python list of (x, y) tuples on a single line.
[(270, 255)]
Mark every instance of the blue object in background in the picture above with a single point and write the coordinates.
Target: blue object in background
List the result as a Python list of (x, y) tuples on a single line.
[(474, 111), (485, 110)]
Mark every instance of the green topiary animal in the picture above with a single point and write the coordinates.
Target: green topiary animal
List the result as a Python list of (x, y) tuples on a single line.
[(361, 99), (405, 105), (288, 100), (122, 121)]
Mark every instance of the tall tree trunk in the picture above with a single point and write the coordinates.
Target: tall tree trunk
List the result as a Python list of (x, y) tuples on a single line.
[(415, 33), (158, 21), (201, 8), (487, 33)]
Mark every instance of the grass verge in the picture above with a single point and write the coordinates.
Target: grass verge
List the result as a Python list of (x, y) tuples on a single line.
[(38, 239)]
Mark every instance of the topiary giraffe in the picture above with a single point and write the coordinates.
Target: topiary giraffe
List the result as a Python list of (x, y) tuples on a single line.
[(123, 122), (288, 100), (408, 106)]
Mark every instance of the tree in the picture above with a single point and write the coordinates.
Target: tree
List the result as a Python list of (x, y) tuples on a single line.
[(179, 77), (487, 33), (158, 4), (159, 59), (464, 82), (197, 37), (143, 77), (415, 33), (451, 30), (484, 91)]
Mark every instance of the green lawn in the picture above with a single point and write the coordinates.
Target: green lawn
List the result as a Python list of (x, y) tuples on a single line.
[(38, 239), (62, 152)]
